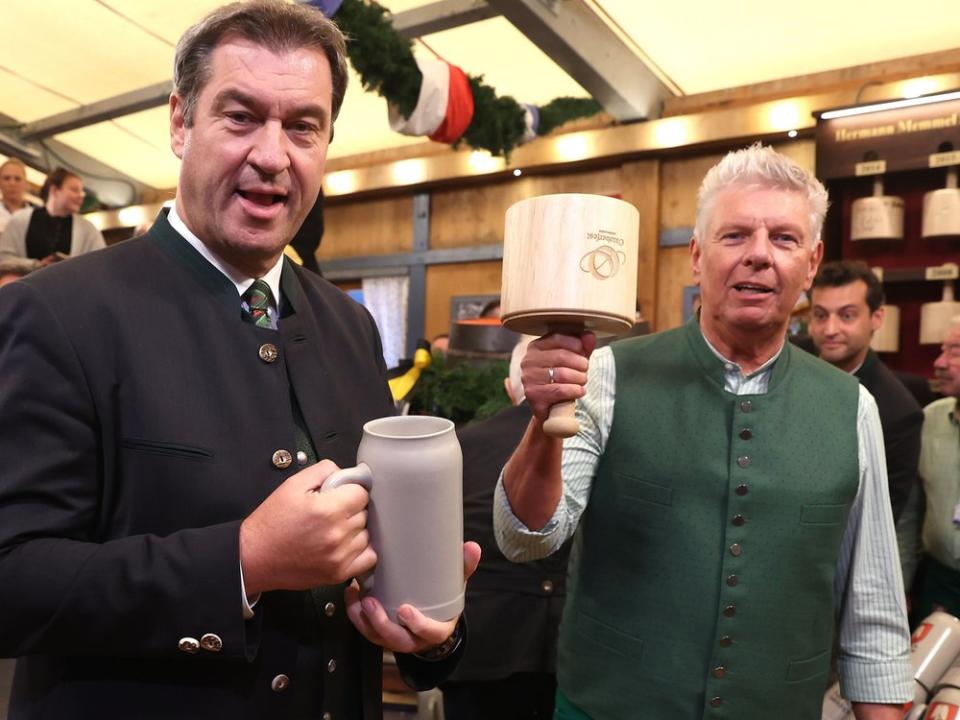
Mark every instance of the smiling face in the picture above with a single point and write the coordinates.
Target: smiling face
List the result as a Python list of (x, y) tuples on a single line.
[(842, 324), (756, 257), (253, 158), (66, 199)]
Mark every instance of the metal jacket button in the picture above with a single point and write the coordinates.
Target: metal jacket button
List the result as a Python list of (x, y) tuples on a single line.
[(211, 642), (269, 352)]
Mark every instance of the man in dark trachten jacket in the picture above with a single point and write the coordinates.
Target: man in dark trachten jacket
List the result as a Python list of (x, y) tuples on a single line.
[(847, 300), (170, 406)]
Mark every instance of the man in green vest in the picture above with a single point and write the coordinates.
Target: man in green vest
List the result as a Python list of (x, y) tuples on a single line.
[(727, 490)]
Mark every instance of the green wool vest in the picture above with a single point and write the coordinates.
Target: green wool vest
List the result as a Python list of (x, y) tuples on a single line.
[(701, 577)]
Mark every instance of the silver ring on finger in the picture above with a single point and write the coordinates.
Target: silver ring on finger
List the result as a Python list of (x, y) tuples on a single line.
[(550, 373)]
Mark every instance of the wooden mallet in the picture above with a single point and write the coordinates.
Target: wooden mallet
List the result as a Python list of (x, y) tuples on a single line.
[(569, 265)]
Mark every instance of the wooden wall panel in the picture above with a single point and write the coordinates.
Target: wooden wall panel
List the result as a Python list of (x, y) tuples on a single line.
[(367, 227), (641, 187), (673, 275), (445, 281), (474, 215)]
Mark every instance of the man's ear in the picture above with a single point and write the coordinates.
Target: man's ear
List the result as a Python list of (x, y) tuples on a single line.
[(876, 318), (815, 257), (695, 254), (178, 129)]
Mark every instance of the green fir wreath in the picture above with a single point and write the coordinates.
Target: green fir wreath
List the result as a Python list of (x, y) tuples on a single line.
[(384, 61)]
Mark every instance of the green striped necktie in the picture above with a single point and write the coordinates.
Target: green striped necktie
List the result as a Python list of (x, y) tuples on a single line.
[(257, 297)]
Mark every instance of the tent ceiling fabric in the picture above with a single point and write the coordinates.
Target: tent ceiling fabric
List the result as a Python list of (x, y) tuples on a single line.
[(59, 55)]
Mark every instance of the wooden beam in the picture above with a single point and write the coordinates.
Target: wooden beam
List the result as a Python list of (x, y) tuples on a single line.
[(857, 77)]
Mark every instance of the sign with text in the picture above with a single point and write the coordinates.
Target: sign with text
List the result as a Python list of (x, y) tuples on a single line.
[(909, 138)]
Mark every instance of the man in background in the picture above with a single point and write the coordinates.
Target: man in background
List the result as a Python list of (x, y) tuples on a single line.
[(508, 670), (13, 188), (847, 309), (939, 587)]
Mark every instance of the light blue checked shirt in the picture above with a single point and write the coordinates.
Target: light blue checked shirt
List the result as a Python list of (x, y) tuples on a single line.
[(874, 662)]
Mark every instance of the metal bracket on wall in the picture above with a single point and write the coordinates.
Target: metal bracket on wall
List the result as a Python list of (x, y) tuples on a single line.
[(676, 236)]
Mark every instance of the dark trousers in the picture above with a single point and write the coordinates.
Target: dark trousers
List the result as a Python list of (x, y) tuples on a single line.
[(523, 696), (938, 588)]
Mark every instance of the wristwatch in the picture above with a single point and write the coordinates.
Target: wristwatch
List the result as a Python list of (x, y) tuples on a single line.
[(444, 649)]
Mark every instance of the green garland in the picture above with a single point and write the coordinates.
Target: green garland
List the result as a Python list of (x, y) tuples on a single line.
[(384, 60), (462, 392)]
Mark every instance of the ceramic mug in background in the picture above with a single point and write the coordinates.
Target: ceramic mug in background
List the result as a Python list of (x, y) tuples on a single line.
[(413, 469)]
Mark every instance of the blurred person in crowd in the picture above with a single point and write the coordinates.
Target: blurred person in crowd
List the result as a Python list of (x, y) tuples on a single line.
[(175, 402), (491, 309), (847, 301), (508, 670), (723, 521), (13, 188), (55, 231), (440, 344), (12, 269), (939, 585)]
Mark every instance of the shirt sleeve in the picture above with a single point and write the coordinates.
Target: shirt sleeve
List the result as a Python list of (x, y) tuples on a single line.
[(581, 455), (874, 661)]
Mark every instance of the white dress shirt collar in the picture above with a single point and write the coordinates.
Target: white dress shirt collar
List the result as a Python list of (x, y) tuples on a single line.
[(240, 279)]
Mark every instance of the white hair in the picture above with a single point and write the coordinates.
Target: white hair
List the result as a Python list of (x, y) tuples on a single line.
[(764, 167), (516, 357)]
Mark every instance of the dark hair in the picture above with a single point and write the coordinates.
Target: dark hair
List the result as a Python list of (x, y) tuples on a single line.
[(490, 307), (839, 273), (56, 179), (273, 24)]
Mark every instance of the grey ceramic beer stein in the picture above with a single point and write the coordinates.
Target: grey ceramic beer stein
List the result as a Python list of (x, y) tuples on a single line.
[(413, 469)]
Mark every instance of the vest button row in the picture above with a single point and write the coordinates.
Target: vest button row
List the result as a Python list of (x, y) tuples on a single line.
[(736, 550), (730, 610), (746, 433), (743, 461), (719, 671), (738, 520), (732, 580), (282, 459), (742, 490), (268, 352)]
